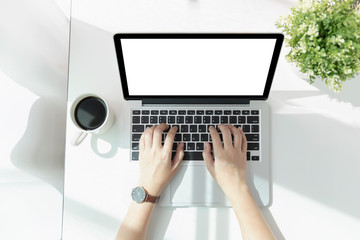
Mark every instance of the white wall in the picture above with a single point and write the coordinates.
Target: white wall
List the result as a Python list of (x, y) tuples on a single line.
[(33, 76)]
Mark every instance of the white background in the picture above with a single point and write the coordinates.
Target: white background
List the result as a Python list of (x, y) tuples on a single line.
[(314, 147), (197, 66), (33, 89)]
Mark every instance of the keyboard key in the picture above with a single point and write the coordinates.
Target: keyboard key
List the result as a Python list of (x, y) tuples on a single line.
[(248, 156), (135, 146), (206, 119), (227, 112), (193, 128), (209, 112), (144, 119), (197, 119), (254, 128), (204, 137), (162, 119), (255, 158), (199, 112), (145, 112), (177, 137), (245, 112), (135, 156), (136, 137), (191, 112), (218, 112), (195, 137), (254, 112), (171, 119), (172, 112), (174, 146), (154, 112), (136, 119), (190, 146), (192, 156), (137, 128), (253, 146), (186, 137), (224, 119), (163, 112), (233, 119), (199, 146), (241, 119), (246, 128), (181, 112), (202, 128), (253, 119), (236, 112), (252, 137), (180, 119), (136, 112), (184, 128), (215, 119), (189, 119), (153, 119)]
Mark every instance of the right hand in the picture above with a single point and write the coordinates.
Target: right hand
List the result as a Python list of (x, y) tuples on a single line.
[(229, 167)]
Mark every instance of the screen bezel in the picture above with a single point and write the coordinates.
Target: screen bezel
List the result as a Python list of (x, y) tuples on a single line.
[(194, 98)]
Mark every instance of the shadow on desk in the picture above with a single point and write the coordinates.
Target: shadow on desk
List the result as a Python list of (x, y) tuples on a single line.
[(38, 62), (315, 148)]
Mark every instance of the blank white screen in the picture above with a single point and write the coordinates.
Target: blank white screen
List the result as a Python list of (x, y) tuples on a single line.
[(197, 66)]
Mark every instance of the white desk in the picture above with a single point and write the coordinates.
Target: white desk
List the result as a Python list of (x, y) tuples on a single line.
[(314, 142)]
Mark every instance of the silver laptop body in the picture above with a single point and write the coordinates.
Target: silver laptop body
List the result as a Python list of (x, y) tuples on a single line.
[(194, 81)]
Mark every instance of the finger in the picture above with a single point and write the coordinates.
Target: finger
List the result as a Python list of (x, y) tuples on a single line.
[(208, 159), (241, 138), (169, 140), (158, 134), (216, 140), (178, 156), (226, 136), (149, 136), (142, 141), (237, 136), (243, 141)]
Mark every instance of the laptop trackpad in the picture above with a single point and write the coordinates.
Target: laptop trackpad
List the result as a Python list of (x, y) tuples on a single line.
[(194, 185)]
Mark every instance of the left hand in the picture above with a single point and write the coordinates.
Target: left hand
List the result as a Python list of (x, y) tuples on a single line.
[(156, 166)]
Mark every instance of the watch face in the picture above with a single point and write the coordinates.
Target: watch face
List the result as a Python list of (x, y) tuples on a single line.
[(138, 194)]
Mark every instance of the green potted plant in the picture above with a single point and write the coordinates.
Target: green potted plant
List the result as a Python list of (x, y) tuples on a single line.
[(323, 37)]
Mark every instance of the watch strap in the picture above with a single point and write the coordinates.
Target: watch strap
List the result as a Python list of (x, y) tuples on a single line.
[(152, 199)]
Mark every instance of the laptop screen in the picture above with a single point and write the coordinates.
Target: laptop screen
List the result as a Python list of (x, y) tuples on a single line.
[(197, 65)]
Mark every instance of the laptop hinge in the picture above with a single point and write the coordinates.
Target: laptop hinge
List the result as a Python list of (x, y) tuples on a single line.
[(196, 101)]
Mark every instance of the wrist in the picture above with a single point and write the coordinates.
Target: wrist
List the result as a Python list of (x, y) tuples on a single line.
[(238, 192)]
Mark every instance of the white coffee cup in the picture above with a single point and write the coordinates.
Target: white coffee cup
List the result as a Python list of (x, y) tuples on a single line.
[(90, 114)]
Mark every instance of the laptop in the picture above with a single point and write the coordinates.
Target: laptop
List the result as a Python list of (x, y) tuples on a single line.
[(193, 81)]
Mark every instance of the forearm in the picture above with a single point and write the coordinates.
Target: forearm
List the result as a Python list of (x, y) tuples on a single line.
[(251, 221), (136, 221)]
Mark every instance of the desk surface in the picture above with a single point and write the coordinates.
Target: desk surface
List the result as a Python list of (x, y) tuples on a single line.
[(314, 133)]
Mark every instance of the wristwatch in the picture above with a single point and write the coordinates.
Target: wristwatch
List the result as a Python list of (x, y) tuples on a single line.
[(140, 195)]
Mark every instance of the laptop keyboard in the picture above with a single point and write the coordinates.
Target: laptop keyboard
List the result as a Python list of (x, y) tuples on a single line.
[(193, 128)]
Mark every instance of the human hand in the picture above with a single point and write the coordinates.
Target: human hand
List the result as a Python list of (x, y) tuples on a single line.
[(156, 166), (229, 167)]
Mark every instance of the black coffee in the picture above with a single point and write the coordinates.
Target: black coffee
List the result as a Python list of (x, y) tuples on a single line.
[(90, 113)]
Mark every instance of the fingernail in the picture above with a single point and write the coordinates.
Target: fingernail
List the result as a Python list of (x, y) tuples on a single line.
[(206, 146)]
